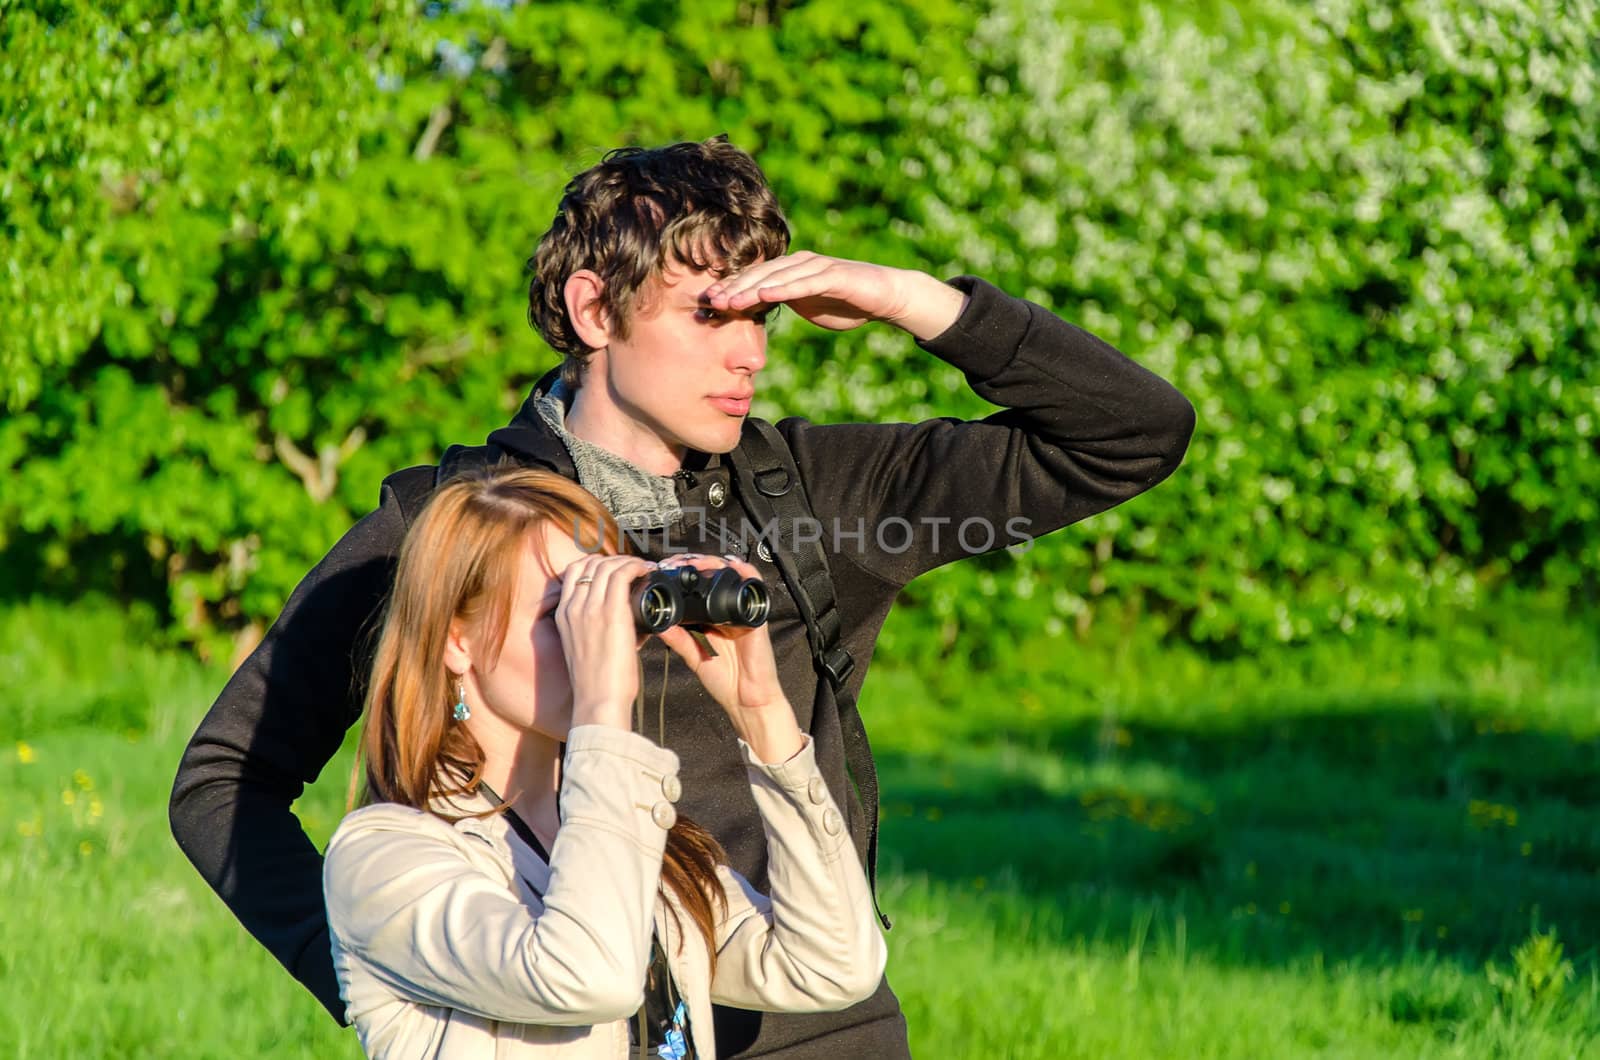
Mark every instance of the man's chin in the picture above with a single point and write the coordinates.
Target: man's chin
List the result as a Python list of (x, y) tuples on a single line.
[(722, 440)]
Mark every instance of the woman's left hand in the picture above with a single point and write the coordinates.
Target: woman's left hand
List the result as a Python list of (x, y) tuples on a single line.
[(743, 675)]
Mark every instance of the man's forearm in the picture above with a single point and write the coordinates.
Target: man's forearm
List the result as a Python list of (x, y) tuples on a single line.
[(1083, 428)]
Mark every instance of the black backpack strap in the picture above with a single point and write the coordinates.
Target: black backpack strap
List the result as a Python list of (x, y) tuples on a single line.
[(775, 498), (765, 455)]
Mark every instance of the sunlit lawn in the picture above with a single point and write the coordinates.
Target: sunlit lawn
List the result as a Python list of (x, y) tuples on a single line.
[(1123, 853)]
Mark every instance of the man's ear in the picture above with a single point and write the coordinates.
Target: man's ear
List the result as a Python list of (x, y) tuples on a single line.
[(457, 649), (582, 293)]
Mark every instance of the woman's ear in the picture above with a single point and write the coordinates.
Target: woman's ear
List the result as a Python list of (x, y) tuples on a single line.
[(457, 649), (588, 314)]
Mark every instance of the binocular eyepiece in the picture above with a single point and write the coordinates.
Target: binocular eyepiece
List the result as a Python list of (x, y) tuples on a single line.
[(684, 596)]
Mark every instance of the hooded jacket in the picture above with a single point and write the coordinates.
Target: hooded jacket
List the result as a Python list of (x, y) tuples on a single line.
[(1081, 429)]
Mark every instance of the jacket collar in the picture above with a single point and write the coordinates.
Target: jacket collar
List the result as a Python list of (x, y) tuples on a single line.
[(527, 439), (492, 827), (517, 859), (637, 499)]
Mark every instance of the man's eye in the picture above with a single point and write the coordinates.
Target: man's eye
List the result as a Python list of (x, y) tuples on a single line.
[(707, 315)]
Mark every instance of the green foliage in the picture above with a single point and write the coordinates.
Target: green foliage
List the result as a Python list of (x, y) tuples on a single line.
[(1539, 975), (1364, 240), (256, 259)]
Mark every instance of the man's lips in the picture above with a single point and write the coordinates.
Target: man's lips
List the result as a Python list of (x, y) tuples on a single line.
[(733, 406)]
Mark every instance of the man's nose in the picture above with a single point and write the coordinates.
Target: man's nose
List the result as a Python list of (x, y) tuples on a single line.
[(749, 351)]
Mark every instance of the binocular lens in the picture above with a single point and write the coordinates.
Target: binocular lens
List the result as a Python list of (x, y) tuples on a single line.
[(751, 603), (657, 608)]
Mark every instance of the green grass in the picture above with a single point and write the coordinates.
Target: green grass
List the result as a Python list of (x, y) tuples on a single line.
[(1129, 849), (111, 945), (1123, 849)]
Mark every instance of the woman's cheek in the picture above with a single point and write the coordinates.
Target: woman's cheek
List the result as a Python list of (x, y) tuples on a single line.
[(547, 642), (550, 664)]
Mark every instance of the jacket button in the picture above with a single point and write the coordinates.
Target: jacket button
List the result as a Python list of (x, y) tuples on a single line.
[(764, 552), (664, 815), (831, 822), (672, 788), (817, 791), (717, 494)]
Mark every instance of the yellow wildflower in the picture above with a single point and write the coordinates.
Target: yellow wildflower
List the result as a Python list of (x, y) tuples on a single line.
[(25, 753), (1485, 814)]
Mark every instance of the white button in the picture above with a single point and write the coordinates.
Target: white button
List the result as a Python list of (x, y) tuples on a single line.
[(716, 493), (672, 788), (817, 790), (764, 551), (664, 815), (831, 822)]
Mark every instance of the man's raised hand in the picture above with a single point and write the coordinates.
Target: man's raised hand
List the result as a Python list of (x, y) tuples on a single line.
[(840, 294)]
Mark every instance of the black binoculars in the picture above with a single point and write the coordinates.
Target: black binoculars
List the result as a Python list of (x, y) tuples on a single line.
[(684, 596)]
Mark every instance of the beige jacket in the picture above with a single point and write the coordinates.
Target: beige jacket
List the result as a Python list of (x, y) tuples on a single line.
[(443, 949)]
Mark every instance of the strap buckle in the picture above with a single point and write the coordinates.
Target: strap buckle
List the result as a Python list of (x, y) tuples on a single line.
[(839, 665)]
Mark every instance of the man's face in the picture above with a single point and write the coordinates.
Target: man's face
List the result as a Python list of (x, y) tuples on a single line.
[(686, 372)]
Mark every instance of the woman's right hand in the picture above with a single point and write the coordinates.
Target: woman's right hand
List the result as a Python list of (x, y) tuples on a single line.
[(739, 672), (599, 639)]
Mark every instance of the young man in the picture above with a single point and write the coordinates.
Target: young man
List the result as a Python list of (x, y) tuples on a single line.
[(655, 281)]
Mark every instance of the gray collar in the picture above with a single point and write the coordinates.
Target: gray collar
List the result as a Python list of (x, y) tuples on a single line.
[(637, 499)]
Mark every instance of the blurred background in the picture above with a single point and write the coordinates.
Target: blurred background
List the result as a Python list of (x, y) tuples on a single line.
[(1295, 755)]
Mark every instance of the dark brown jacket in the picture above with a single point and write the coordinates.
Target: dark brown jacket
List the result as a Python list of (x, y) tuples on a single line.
[(1083, 428)]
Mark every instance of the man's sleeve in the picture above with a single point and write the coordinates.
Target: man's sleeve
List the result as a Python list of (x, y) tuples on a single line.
[(280, 719), (1083, 428)]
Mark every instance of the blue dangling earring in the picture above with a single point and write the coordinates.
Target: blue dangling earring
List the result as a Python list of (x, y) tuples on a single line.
[(461, 712)]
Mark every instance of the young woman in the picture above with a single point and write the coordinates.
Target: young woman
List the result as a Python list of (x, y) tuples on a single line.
[(520, 883)]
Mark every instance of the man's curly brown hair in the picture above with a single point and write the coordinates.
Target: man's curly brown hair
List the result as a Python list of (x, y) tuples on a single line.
[(702, 204)]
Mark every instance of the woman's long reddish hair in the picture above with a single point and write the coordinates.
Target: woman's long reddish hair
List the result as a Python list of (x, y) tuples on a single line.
[(460, 561)]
